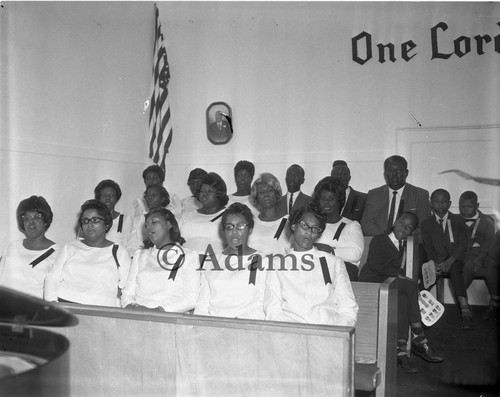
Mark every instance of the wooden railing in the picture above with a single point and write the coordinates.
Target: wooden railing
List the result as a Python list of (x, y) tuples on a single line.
[(120, 352)]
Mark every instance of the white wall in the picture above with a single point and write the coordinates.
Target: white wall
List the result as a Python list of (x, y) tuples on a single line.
[(75, 77)]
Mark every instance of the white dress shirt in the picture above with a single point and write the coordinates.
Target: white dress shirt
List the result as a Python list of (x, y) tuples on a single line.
[(398, 200)]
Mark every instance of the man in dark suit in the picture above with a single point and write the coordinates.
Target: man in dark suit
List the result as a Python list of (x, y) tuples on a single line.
[(384, 204), (354, 200), (220, 131), (481, 258), (445, 241), (294, 198)]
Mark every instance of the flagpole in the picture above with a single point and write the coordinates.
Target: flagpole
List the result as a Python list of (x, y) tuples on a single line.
[(159, 115)]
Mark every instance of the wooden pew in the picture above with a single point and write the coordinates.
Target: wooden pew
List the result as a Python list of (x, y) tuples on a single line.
[(376, 335), (387, 311), (132, 353)]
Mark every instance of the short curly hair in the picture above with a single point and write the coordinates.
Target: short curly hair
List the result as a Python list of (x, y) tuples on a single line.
[(241, 210), (101, 209), (267, 179), (297, 215), (244, 165), (396, 159), (411, 215), (107, 183), (34, 204), (469, 195), (444, 192), (216, 181), (156, 169), (165, 197), (197, 173)]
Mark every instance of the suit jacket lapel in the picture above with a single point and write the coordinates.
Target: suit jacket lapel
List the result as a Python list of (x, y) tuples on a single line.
[(439, 229), (348, 204), (391, 244), (407, 194), (297, 204), (385, 209)]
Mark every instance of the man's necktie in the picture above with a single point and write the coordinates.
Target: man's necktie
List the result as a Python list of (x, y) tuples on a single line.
[(391, 213), (402, 253), (470, 222), (290, 204), (441, 224)]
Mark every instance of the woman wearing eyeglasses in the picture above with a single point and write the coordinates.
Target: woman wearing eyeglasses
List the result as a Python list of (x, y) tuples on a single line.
[(232, 284), (312, 286), (91, 270), (25, 263)]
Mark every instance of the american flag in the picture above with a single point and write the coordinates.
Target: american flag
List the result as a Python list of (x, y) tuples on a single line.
[(159, 113)]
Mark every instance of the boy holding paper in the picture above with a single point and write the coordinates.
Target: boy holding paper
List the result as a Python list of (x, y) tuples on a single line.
[(386, 258)]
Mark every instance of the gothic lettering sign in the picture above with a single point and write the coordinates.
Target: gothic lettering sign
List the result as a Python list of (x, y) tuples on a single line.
[(365, 47)]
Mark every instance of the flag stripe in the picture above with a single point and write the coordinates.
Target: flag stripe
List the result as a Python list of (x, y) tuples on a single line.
[(159, 113)]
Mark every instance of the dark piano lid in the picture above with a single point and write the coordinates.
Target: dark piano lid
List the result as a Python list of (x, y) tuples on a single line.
[(19, 308)]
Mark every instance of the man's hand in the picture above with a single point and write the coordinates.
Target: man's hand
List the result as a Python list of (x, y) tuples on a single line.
[(446, 265)]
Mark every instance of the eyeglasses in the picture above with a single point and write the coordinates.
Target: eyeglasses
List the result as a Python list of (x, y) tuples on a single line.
[(231, 226), (35, 217), (314, 229), (95, 220)]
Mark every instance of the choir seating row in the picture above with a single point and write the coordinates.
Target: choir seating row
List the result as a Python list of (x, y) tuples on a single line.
[(116, 351)]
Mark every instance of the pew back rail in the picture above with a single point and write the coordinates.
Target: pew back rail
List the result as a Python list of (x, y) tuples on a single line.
[(133, 353), (376, 335)]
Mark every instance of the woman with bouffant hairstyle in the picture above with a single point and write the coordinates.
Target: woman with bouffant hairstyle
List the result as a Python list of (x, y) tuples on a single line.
[(109, 192), (342, 237), (201, 228), (270, 233), (25, 263), (91, 270)]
